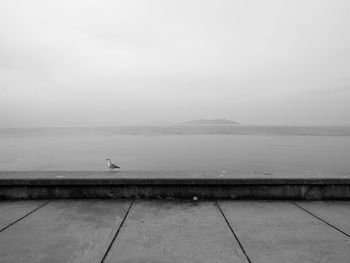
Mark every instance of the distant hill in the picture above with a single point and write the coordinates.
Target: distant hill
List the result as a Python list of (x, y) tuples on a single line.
[(211, 122)]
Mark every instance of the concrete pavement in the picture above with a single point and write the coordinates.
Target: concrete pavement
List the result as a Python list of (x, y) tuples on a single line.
[(97, 230)]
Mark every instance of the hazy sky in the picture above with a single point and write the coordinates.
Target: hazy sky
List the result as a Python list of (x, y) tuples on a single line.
[(110, 62)]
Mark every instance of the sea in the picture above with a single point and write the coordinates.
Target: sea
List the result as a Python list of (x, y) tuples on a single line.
[(269, 151)]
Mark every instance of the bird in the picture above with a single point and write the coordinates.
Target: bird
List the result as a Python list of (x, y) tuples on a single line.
[(111, 165)]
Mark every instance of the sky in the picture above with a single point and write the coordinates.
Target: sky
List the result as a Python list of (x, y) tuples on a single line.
[(122, 62)]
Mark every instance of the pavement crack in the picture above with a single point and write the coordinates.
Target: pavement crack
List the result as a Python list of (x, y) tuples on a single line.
[(233, 232), (117, 232), (319, 218), (27, 214)]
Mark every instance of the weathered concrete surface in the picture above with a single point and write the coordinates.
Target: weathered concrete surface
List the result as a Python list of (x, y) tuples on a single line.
[(334, 213), (170, 174), (11, 211), (258, 188), (245, 191), (173, 231), (171, 181), (63, 231), (281, 232)]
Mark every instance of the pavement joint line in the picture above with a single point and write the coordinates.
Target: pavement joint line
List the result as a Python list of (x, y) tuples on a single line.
[(319, 218), (118, 230), (29, 213), (233, 232)]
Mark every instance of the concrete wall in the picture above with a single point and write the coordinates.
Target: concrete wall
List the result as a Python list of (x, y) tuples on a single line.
[(303, 189)]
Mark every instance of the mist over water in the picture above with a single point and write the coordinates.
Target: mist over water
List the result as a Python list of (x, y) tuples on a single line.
[(255, 150), (94, 63)]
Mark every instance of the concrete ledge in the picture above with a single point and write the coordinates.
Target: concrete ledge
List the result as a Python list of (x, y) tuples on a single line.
[(167, 188), (171, 181)]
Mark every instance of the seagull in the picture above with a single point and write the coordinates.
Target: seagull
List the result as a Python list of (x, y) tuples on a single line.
[(111, 165)]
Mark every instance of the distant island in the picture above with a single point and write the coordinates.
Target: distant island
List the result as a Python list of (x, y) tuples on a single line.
[(211, 122)]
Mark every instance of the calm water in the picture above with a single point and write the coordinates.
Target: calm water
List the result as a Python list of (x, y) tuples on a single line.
[(268, 150)]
